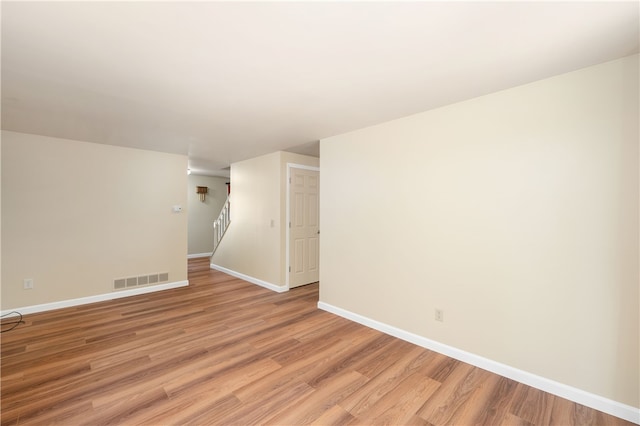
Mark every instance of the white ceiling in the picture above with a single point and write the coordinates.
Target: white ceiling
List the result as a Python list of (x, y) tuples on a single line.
[(226, 81)]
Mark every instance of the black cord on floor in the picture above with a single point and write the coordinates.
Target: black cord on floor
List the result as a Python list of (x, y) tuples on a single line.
[(14, 324)]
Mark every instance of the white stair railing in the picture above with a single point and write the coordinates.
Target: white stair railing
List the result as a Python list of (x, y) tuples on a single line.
[(221, 224)]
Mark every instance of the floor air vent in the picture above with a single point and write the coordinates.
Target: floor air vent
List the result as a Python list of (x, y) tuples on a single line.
[(122, 283)]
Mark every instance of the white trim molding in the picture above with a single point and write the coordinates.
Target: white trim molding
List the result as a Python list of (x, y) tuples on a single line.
[(198, 255), (579, 396), (303, 166), (252, 280), (97, 298)]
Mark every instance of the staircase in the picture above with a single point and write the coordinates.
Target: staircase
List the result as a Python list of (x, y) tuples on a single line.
[(221, 224)]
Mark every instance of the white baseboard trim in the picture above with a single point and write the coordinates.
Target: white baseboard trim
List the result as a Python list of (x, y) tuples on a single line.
[(597, 402), (252, 280), (198, 255), (97, 298)]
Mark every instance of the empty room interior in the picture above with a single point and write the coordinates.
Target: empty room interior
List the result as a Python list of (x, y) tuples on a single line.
[(238, 213)]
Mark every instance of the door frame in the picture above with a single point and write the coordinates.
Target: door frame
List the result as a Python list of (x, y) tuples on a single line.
[(288, 214)]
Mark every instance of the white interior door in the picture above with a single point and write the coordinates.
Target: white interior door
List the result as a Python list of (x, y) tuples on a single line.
[(304, 232)]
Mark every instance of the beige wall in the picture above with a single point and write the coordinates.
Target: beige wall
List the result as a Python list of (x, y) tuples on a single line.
[(254, 244), (251, 245), (77, 215), (202, 214), (0, 222), (516, 213)]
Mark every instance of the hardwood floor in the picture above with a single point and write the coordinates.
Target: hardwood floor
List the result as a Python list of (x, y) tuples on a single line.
[(223, 352)]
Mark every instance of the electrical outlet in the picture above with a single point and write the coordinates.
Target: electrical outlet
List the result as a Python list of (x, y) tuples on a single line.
[(27, 284), (439, 315)]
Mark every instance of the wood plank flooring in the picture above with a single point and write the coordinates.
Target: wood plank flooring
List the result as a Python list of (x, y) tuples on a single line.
[(226, 352)]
